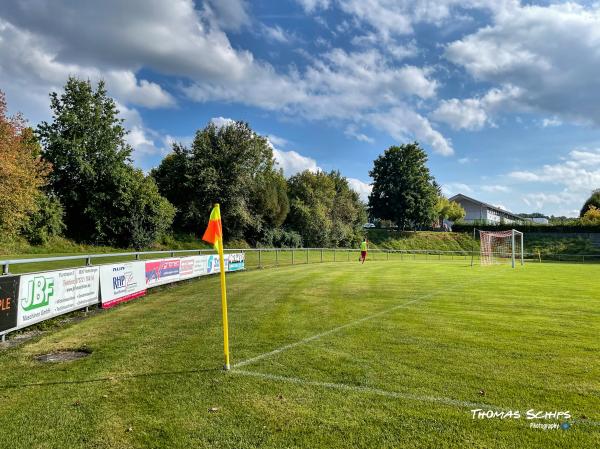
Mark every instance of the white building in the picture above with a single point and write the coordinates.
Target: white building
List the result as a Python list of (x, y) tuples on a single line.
[(478, 211)]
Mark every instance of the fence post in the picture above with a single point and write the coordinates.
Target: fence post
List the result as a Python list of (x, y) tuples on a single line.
[(4, 272), (88, 261), (277, 257), (321, 254), (137, 256), (307, 255), (259, 258), (172, 254), (292, 256)]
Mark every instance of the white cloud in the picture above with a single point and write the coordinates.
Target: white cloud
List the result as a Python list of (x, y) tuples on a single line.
[(475, 113), (228, 14), (454, 188), (360, 187), (464, 160), (220, 122), (352, 131), (31, 68), (398, 17), (549, 122), (40, 44), (580, 171), (536, 50), (572, 180), (495, 188), (277, 141), (401, 123), (276, 34), (292, 162)]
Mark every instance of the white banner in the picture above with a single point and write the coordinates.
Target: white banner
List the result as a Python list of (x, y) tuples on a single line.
[(49, 294), (192, 266), (122, 282)]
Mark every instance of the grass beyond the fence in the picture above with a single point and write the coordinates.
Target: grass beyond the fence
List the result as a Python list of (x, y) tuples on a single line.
[(385, 354)]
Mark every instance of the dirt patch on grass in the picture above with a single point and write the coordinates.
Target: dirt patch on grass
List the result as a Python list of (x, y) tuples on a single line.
[(63, 356)]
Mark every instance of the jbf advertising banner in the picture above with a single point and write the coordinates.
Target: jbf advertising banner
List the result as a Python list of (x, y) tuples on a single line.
[(9, 293), (162, 271), (48, 294), (122, 282)]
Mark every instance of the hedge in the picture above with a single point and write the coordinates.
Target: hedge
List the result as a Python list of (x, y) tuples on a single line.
[(528, 227)]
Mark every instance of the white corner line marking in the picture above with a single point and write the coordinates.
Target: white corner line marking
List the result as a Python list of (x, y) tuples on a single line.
[(364, 389)]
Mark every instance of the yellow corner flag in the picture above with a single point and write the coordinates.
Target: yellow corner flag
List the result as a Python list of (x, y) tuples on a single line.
[(214, 235)]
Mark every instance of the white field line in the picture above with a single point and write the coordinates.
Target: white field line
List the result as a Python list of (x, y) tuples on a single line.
[(331, 331), (362, 389), (388, 394)]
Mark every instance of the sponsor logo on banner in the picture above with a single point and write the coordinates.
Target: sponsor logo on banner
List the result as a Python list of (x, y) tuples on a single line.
[(162, 271), (193, 266), (9, 293), (235, 262), (212, 265), (122, 282), (46, 295)]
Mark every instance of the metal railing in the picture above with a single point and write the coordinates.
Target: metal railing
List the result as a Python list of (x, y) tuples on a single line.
[(266, 257)]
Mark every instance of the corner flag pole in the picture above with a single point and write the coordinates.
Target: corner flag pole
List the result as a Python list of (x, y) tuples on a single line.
[(224, 304), (214, 235)]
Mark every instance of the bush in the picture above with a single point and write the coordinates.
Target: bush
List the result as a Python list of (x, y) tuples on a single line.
[(528, 227), (281, 238), (45, 222), (149, 214)]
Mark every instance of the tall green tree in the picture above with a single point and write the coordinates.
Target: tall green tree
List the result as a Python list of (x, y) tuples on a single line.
[(324, 210), (231, 165), (93, 175), (593, 200), (403, 188)]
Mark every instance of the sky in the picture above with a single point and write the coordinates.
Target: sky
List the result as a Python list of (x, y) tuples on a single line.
[(503, 95)]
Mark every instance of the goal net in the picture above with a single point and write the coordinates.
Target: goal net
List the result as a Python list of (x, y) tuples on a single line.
[(501, 247)]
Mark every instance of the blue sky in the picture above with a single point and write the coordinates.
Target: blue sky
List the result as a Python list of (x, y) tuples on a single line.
[(503, 95)]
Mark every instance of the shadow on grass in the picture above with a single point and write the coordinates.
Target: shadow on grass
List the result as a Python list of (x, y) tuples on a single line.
[(111, 378)]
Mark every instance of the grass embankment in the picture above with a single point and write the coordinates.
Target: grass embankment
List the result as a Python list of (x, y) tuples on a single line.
[(440, 241), (401, 352), (458, 241)]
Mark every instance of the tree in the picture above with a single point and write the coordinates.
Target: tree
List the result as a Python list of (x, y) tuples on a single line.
[(93, 175), (44, 222), (22, 172), (593, 200), (403, 188), (231, 165), (591, 216), (324, 210), (449, 210), (150, 214)]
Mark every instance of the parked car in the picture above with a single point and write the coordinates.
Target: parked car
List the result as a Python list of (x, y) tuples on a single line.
[(368, 225)]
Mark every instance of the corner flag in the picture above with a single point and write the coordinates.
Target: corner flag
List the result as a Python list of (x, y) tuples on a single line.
[(214, 235), (214, 231)]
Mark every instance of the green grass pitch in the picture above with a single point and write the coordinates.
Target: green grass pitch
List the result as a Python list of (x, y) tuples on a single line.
[(334, 355)]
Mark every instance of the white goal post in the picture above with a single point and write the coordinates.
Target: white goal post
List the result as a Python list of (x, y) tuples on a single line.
[(500, 246)]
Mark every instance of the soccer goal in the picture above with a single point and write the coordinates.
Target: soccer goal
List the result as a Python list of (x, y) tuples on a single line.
[(500, 246)]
